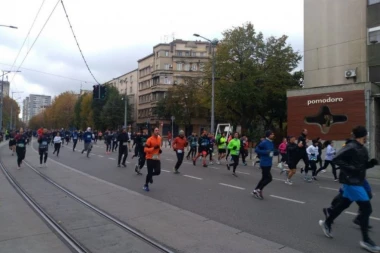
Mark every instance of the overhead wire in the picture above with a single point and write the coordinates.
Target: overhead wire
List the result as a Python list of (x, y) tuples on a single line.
[(27, 35), (76, 40), (30, 49)]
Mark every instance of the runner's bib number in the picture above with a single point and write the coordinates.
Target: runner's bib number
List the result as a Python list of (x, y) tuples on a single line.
[(125, 144), (271, 154), (44, 143), (155, 157), (179, 151), (21, 145)]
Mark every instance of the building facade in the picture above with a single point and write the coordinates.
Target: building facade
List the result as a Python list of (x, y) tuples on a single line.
[(127, 84), (342, 72), (34, 104), (5, 85)]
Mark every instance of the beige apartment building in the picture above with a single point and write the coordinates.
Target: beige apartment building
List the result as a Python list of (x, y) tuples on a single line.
[(127, 84), (341, 86)]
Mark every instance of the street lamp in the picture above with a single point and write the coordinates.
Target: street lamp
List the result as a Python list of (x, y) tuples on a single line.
[(212, 45), (2, 95), (10, 26), (11, 123)]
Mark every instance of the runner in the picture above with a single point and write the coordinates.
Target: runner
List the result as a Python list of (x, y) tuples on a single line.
[(152, 150), (330, 154), (108, 141), (140, 143), (21, 140), (312, 152), (234, 147), (222, 146), (88, 137), (193, 140), (12, 143), (282, 149), (179, 145), (57, 143), (123, 139), (353, 161), (211, 147), (75, 139), (292, 150), (265, 150), (43, 146), (203, 147)]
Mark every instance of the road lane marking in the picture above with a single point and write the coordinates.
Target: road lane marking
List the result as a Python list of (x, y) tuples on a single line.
[(188, 163), (245, 173), (198, 178), (100, 156), (232, 186), (278, 179), (112, 158), (165, 170), (291, 200), (328, 188), (371, 217), (214, 168), (169, 159)]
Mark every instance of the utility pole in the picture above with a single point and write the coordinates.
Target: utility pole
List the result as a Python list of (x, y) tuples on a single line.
[(125, 110)]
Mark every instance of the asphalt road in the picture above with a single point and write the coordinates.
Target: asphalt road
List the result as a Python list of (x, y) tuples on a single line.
[(288, 215)]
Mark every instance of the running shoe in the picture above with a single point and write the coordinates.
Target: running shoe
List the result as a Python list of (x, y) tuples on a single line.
[(146, 188), (370, 246), (325, 228)]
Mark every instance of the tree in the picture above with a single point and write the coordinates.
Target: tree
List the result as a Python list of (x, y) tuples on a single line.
[(8, 105), (112, 114), (86, 116), (253, 75)]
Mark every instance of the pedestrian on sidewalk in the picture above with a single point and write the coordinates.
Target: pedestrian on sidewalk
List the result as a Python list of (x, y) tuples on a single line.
[(265, 149), (353, 161), (123, 139), (43, 146), (179, 145), (152, 150), (21, 139), (57, 143), (234, 146)]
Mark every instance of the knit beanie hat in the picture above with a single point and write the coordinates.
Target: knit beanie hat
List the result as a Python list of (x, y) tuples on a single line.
[(268, 133), (359, 132)]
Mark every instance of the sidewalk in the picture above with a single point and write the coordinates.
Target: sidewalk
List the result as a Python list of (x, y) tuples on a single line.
[(179, 229), (21, 229)]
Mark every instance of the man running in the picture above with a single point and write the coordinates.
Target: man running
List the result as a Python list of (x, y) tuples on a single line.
[(152, 150), (43, 146), (179, 145), (303, 154), (140, 144), (12, 142), (193, 140), (203, 148), (234, 147), (57, 143), (75, 139), (353, 161), (292, 153), (21, 139), (222, 146), (88, 137), (265, 149), (123, 139)]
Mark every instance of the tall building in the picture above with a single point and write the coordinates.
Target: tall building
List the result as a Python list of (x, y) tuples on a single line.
[(169, 64), (127, 85), (5, 88), (34, 104), (342, 71)]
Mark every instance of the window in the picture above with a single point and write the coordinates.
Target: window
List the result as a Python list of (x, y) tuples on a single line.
[(187, 53), (202, 54), (166, 53), (167, 66), (194, 67), (179, 53), (131, 89), (187, 67), (370, 2), (374, 35), (193, 53), (179, 66)]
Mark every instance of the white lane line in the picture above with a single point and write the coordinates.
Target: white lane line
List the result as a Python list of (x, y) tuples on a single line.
[(373, 218), (278, 179), (198, 178), (165, 170), (232, 186), (243, 173), (112, 158), (214, 168), (328, 188), (100, 156), (169, 159), (291, 200), (187, 163)]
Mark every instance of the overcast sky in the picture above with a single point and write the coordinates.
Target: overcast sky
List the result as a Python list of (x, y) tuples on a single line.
[(114, 34)]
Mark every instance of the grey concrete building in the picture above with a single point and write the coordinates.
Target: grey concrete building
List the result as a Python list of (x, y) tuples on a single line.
[(342, 71), (34, 104), (5, 88)]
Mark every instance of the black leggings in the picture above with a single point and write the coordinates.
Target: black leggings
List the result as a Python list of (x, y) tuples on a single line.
[(326, 165), (235, 159), (179, 159), (20, 155), (75, 143), (266, 177), (365, 208), (154, 169), (243, 155), (123, 151), (108, 147), (192, 152), (43, 154), (141, 158), (57, 147), (313, 167)]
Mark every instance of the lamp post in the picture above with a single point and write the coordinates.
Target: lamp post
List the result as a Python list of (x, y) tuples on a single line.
[(2, 95), (11, 123), (212, 45), (10, 26), (125, 110)]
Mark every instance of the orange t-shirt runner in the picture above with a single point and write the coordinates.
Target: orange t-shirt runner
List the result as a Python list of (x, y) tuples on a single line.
[(152, 148)]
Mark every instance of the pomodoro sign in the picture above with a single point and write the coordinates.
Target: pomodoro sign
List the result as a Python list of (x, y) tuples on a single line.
[(324, 100)]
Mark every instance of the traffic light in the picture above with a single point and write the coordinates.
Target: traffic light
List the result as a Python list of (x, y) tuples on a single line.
[(95, 92), (103, 92)]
